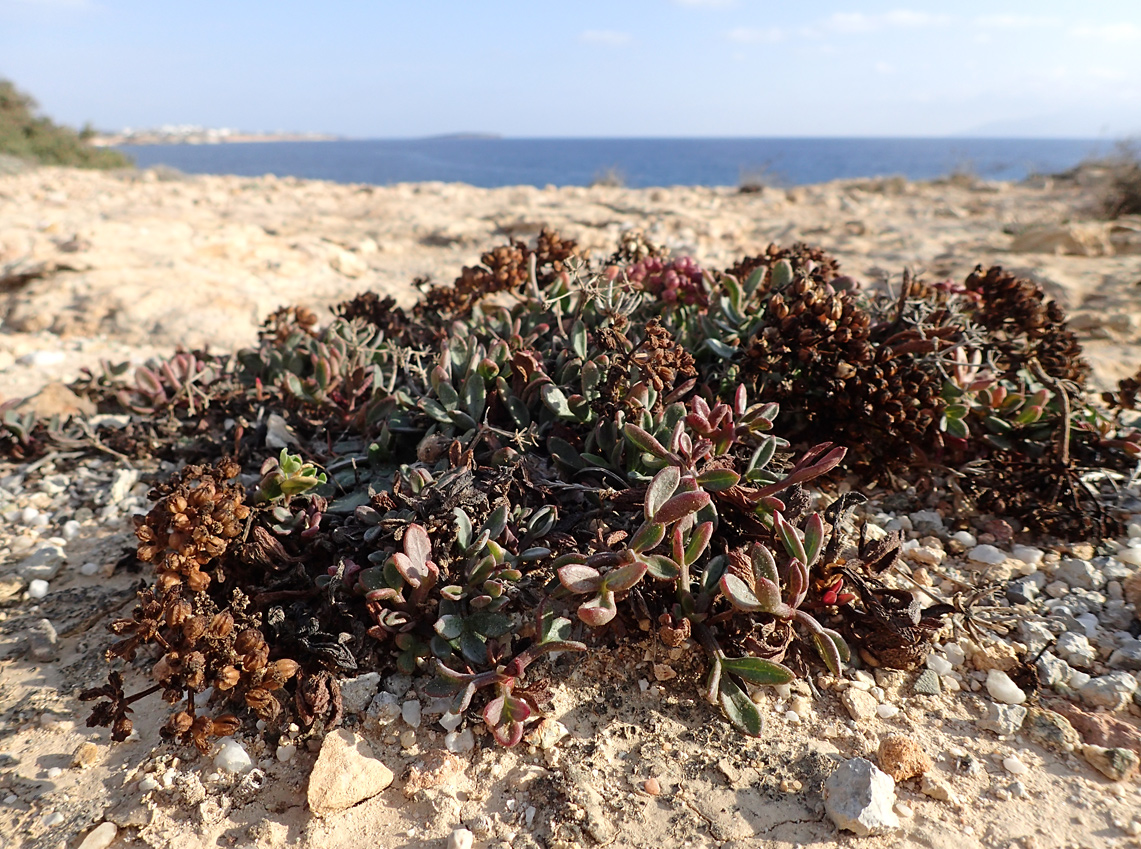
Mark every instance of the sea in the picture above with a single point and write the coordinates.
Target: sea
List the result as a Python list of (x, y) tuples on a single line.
[(638, 163)]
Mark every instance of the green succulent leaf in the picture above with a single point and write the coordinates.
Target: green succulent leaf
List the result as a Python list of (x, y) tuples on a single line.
[(463, 528), (813, 539), (790, 539), (661, 568), (757, 670), (718, 480), (957, 428), (648, 536), (663, 485), (556, 401), (580, 578), (645, 442), (475, 396), (624, 577), (740, 710)]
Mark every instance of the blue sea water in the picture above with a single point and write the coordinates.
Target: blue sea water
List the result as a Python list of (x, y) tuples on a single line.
[(636, 162)]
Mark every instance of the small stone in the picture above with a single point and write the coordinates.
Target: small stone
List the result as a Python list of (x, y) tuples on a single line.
[(52, 819), (1014, 766), (1053, 671), (461, 838), (384, 709), (459, 742), (1127, 656), (232, 756), (999, 656), (43, 563), (902, 758), (122, 484), (43, 641), (1022, 591), (148, 784), (547, 734), (451, 721), (1079, 679), (1079, 573), (1113, 691), (410, 712), (859, 704), (37, 589), (652, 787), (1002, 689), (860, 798), (100, 837), (938, 789), (1028, 554), (1051, 729), (1075, 649), (357, 693), (887, 711), (86, 756), (1057, 589), (940, 665), (285, 752), (987, 555), (1130, 555), (89, 569), (398, 684), (346, 772), (1003, 719), (1115, 764), (927, 684), (964, 538)]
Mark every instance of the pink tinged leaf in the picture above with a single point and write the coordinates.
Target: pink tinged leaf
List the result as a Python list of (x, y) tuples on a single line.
[(621, 580), (797, 582), (649, 536), (699, 423), (718, 480), (700, 407), (663, 485), (681, 506), (739, 594), (505, 716), (790, 539), (813, 538), (740, 400), (678, 540), (644, 441), (599, 610), (675, 437), (764, 564), (409, 571), (808, 472), (698, 542), (661, 568), (772, 503), (579, 578), (417, 545)]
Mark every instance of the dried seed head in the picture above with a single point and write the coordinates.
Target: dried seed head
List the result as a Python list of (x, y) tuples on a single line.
[(248, 641), (221, 625), (227, 678), (179, 723), (194, 628)]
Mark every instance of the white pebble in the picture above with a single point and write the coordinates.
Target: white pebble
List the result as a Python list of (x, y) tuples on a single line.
[(232, 757), (1078, 679), (902, 809), (791, 716), (1002, 689), (451, 721), (89, 569), (1014, 766), (1134, 530), (71, 529), (939, 665), (38, 588), (285, 752), (54, 772), (52, 818), (986, 554), (28, 515), (1028, 554), (1131, 555), (100, 837), (148, 784), (410, 712), (964, 538), (459, 742), (461, 838), (955, 654), (886, 711)]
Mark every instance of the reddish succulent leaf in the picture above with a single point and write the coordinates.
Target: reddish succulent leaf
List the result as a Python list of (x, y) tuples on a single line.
[(599, 610), (757, 670), (663, 485), (622, 579), (644, 441), (505, 716), (698, 542), (417, 545), (579, 578), (649, 536), (681, 506), (790, 539)]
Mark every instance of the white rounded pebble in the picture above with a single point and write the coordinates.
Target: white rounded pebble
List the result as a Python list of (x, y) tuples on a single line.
[(28, 515), (1014, 766), (38, 588), (461, 838), (955, 654), (54, 772), (89, 569), (71, 529), (886, 711), (100, 837), (1028, 554), (459, 742), (964, 538), (986, 554), (148, 784), (232, 757), (791, 716), (1002, 689), (52, 818), (451, 721), (285, 752), (1131, 555), (939, 665), (410, 712)]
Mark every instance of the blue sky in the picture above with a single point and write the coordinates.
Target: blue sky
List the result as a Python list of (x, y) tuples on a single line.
[(584, 68)]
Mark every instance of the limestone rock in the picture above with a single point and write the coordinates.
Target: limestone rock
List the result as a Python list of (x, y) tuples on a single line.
[(859, 798), (346, 772), (1115, 764), (1003, 720), (902, 758), (860, 705), (1050, 729)]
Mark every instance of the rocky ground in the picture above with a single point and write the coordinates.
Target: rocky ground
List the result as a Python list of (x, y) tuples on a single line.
[(124, 266)]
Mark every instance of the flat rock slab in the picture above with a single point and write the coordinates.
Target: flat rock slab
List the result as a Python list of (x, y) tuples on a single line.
[(345, 774)]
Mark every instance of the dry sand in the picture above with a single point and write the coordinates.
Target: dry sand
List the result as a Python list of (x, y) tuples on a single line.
[(135, 265)]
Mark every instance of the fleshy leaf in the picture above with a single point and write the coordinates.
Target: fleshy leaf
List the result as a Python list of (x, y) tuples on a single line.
[(718, 480), (649, 536), (505, 716), (742, 713), (790, 539), (681, 506), (813, 538), (739, 594), (663, 485), (579, 578), (645, 442), (598, 611), (660, 567), (622, 579), (417, 545), (698, 542), (757, 670)]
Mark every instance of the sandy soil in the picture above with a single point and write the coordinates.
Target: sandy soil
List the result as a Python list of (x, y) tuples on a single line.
[(132, 265)]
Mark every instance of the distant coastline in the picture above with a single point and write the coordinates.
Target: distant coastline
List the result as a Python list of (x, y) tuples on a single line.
[(200, 135)]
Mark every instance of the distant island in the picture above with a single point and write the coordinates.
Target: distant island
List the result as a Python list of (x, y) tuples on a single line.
[(191, 134)]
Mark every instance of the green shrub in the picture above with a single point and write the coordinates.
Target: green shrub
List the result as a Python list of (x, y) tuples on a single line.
[(27, 135)]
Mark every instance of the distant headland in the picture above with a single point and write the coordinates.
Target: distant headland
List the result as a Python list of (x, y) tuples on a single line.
[(191, 134)]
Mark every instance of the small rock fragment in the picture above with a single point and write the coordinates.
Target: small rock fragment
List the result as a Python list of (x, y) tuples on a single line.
[(1075, 649), (652, 787), (902, 758), (1113, 691), (859, 704), (927, 684), (1002, 689), (357, 693), (38, 588), (1003, 719), (410, 712), (43, 642), (860, 798), (232, 756), (44, 563), (1013, 765), (461, 838), (1050, 729), (1115, 764), (86, 756), (346, 772), (100, 837), (938, 789), (988, 555)]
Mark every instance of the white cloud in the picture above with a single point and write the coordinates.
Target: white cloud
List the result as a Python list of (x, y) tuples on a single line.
[(855, 22), (756, 35), (1017, 21), (1113, 33), (605, 37)]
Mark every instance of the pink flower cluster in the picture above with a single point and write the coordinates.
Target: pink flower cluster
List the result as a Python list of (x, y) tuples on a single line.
[(679, 281)]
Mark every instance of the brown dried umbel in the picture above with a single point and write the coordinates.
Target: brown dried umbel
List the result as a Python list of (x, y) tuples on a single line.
[(284, 322), (1025, 325), (506, 268), (1127, 391), (806, 260), (196, 516)]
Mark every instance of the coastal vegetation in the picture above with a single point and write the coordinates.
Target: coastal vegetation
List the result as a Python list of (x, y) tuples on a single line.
[(27, 135)]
